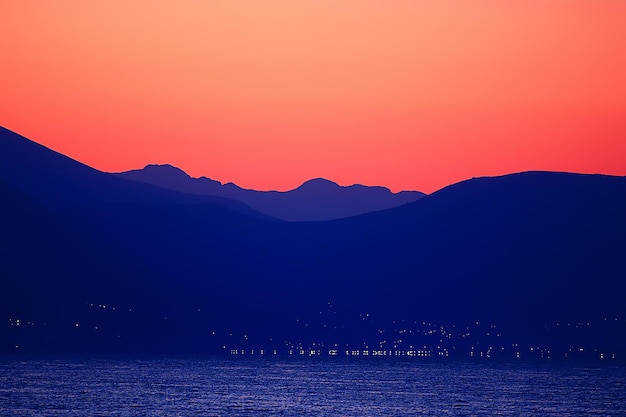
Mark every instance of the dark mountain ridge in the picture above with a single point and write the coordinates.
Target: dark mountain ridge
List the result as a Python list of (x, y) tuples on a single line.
[(521, 250), (57, 180), (315, 200)]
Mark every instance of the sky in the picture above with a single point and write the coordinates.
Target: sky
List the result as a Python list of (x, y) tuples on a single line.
[(409, 94)]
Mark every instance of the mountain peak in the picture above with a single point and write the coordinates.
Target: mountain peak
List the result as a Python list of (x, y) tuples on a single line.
[(174, 178), (164, 170), (319, 183)]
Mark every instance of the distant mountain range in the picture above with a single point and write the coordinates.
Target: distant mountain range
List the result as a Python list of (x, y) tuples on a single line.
[(315, 200), (204, 273)]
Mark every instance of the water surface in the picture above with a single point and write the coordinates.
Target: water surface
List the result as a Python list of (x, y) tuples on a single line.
[(220, 386)]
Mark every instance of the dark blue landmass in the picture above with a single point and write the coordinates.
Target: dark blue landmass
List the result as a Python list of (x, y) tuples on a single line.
[(95, 262)]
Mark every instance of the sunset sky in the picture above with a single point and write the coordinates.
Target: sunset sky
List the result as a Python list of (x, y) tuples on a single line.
[(408, 94)]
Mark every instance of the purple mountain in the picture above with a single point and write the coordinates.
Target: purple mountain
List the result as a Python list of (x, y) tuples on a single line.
[(315, 200), (522, 250)]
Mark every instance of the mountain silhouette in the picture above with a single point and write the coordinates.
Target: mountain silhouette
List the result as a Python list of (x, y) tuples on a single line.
[(521, 249), (59, 181), (315, 200)]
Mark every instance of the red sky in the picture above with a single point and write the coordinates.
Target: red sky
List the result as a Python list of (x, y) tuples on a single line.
[(409, 94)]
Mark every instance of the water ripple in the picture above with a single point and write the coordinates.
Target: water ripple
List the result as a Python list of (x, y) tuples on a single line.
[(174, 386)]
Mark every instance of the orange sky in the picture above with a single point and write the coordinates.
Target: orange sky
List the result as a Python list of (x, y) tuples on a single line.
[(409, 94)]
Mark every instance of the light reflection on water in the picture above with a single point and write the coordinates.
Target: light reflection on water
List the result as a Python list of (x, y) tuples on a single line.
[(183, 386)]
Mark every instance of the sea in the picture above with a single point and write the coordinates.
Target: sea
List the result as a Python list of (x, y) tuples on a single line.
[(254, 386)]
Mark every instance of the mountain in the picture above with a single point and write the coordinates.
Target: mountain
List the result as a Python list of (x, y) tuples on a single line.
[(315, 200), (59, 181), (184, 272)]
